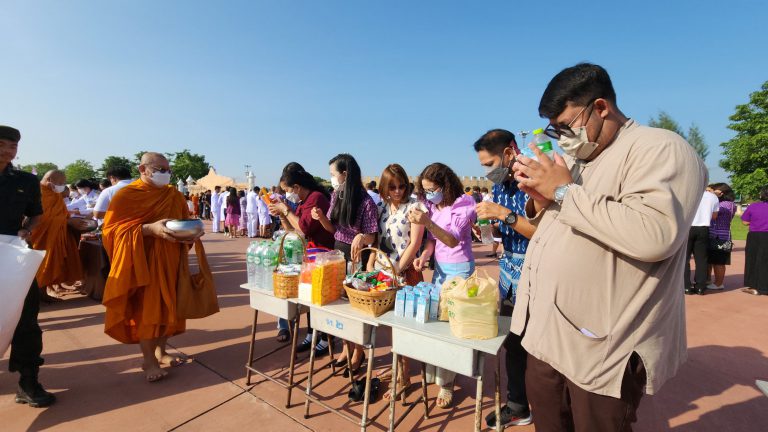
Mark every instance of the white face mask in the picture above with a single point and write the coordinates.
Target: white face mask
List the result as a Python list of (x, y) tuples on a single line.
[(336, 184), (59, 188), (579, 146), (292, 197), (160, 179), (82, 192)]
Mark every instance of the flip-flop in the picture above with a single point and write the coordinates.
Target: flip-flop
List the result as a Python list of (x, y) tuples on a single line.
[(446, 395), (283, 335)]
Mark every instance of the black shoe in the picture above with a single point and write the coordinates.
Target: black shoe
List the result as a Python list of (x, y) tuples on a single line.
[(304, 345), (690, 291), (509, 418), (700, 291), (34, 395), (357, 369)]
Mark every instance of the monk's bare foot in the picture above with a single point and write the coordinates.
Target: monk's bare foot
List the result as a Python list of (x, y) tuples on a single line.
[(153, 373), (47, 296), (172, 360)]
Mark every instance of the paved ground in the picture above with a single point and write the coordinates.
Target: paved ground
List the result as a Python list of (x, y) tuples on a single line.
[(100, 387)]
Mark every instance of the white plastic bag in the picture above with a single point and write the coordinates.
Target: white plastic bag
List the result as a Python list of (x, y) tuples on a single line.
[(18, 265)]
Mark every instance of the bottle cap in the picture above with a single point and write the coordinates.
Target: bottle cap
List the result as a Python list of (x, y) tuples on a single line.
[(538, 131)]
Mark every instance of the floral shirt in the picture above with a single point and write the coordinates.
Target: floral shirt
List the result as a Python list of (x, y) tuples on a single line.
[(395, 232), (365, 221)]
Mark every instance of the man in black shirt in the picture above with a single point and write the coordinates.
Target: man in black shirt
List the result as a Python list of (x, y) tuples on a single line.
[(21, 209)]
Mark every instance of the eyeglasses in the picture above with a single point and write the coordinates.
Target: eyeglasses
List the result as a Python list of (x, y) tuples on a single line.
[(159, 170), (398, 187), (557, 131)]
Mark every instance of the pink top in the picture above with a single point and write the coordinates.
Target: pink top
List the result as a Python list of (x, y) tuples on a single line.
[(457, 220)]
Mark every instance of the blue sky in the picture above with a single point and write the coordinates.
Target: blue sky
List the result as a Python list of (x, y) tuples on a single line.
[(413, 82)]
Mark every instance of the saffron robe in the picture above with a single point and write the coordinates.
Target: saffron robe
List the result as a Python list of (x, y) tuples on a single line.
[(62, 259)]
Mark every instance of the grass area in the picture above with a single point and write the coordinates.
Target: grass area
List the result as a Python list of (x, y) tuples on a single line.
[(738, 230)]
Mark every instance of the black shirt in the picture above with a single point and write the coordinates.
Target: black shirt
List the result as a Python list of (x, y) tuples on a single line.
[(19, 197)]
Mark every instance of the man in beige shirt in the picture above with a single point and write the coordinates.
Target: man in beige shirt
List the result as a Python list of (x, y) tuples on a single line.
[(600, 304)]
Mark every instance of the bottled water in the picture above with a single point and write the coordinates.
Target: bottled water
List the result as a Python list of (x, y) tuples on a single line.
[(486, 231), (543, 142), (268, 256), (257, 268), (250, 263)]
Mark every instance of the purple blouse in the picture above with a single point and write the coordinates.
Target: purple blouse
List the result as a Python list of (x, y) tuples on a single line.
[(757, 216), (366, 221), (457, 220), (721, 227)]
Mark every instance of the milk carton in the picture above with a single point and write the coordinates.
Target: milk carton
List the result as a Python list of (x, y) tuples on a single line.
[(434, 304), (400, 303), (410, 304), (422, 307)]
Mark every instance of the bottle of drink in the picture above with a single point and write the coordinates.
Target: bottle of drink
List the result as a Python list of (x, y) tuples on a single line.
[(257, 270), (250, 263), (486, 231), (543, 142), (268, 255)]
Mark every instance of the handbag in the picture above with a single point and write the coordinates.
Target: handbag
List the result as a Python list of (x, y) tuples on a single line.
[(195, 293), (716, 244)]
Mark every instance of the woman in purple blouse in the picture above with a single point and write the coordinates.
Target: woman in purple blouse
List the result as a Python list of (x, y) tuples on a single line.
[(720, 229), (353, 220), (755, 268)]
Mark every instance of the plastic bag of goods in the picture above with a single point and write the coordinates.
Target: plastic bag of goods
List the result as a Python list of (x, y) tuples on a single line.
[(328, 277), (473, 308), (448, 286), (19, 265)]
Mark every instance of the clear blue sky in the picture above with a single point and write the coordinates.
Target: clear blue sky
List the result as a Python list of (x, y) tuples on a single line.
[(413, 82)]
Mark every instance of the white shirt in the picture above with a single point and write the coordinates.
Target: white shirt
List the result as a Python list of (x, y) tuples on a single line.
[(84, 204), (709, 204), (102, 203), (215, 201), (252, 202), (376, 197)]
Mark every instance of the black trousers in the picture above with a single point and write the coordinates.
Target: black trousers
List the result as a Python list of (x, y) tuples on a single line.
[(27, 342), (515, 363), (698, 241)]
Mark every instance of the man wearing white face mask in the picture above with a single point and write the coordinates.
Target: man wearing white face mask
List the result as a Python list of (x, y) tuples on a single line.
[(599, 300)]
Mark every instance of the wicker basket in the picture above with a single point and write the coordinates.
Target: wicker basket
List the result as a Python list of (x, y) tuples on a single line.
[(285, 286), (374, 303)]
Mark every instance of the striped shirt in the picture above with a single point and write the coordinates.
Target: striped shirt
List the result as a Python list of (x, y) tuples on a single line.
[(508, 195)]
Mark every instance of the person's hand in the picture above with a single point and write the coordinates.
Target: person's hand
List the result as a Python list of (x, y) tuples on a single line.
[(24, 234), (420, 263), (357, 245), (277, 209), (317, 214), (491, 210), (539, 179), (159, 230), (75, 211), (192, 240), (79, 224), (418, 217)]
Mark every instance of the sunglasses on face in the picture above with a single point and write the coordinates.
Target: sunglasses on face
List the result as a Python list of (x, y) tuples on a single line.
[(397, 187), (559, 130), (160, 170)]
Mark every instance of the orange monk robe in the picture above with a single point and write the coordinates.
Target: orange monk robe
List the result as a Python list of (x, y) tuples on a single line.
[(140, 294), (62, 259), (196, 204)]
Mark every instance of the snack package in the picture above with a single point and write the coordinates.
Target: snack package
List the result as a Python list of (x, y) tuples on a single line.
[(328, 277)]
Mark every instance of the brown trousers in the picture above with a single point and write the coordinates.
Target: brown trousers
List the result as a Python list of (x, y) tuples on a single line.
[(559, 405)]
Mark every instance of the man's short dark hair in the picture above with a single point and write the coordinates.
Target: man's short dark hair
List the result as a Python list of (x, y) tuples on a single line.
[(495, 141), (580, 84), (119, 172)]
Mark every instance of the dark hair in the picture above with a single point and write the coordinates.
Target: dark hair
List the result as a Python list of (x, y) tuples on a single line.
[(119, 172), (349, 199), (443, 176), (294, 174), (764, 194), (232, 198), (580, 84), (371, 185), (392, 172), (726, 193), (495, 141), (467, 189), (105, 183), (84, 183), (241, 193), (217, 188), (484, 190)]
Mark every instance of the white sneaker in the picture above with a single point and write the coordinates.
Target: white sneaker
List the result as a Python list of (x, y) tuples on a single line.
[(715, 287)]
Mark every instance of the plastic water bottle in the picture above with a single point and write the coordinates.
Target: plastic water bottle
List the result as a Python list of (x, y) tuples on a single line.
[(486, 231), (544, 143), (250, 263), (266, 266), (257, 278)]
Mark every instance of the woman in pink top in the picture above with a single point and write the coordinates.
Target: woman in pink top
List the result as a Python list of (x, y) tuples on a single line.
[(449, 216)]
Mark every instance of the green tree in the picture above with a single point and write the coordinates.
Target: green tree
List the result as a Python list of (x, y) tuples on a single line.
[(694, 136), (745, 156), (114, 162), (321, 181), (39, 168), (185, 164), (135, 164), (79, 169)]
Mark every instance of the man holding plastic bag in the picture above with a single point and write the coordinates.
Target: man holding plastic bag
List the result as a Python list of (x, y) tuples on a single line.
[(22, 207)]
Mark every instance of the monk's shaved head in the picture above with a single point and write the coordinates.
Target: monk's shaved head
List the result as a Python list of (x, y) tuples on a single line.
[(152, 162), (153, 157), (55, 177)]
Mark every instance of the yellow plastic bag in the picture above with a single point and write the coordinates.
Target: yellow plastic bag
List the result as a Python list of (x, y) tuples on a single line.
[(445, 289), (473, 308), (328, 277)]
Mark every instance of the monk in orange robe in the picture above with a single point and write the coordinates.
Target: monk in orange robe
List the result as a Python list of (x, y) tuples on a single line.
[(140, 293), (62, 259)]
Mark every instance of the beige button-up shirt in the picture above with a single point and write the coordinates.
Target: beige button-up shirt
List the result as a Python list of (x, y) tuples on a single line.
[(603, 275)]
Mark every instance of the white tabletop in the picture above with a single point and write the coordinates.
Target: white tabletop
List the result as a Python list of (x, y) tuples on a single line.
[(256, 289), (342, 308), (441, 330)]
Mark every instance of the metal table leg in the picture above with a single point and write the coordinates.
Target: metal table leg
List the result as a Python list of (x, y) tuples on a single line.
[(369, 370), (250, 349), (479, 393), (497, 397), (424, 389), (292, 366), (393, 393), (311, 370)]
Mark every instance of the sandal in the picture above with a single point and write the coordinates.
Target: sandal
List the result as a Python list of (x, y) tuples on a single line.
[(444, 398), (283, 335), (402, 386), (357, 393)]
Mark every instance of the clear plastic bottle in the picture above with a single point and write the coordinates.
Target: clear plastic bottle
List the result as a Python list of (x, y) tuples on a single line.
[(486, 231), (266, 265), (543, 142), (250, 263), (258, 280)]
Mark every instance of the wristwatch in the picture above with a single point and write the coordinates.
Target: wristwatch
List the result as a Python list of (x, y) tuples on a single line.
[(560, 192), (510, 219)]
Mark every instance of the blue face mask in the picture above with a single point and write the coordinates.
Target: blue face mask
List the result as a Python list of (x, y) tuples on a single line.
[(436, 197)]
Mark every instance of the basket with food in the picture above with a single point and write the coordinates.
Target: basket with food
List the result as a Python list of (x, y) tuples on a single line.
[(373, 292)]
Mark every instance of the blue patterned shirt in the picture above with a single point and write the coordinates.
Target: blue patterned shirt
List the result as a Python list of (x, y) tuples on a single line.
[(508, 195)]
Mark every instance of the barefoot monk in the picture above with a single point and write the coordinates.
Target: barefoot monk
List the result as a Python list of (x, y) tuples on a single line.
[(140, 294)]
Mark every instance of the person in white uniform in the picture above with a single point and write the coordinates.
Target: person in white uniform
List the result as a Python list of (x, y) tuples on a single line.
[(119, 177), (83, 206), (252, 212), (216, 209)]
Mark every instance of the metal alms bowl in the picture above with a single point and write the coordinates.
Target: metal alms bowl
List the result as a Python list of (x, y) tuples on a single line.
[(185, 228)]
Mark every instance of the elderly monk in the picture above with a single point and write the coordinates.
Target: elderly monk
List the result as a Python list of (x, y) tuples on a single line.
[(140, 294), (62, 258)]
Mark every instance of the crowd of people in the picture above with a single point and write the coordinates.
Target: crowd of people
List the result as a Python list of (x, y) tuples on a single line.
[(584, 345)]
